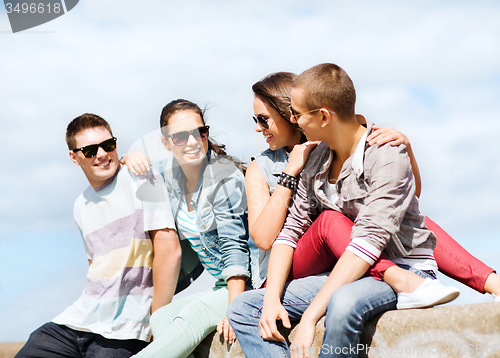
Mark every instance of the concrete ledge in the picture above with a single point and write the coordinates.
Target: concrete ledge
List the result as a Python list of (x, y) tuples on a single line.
[(449, 331)]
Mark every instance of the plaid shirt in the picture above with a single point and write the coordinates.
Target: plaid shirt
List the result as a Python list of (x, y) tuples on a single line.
[(376, 190)]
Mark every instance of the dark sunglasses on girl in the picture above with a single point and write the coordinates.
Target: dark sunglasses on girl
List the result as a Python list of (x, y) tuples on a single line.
[(90, 151), (181, 138), (261, 120)]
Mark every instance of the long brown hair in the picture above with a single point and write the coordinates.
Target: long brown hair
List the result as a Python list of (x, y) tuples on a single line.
[(276, 89)]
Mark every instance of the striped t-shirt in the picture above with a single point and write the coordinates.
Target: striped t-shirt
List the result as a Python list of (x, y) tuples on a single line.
[(186, 223), (114, 221)]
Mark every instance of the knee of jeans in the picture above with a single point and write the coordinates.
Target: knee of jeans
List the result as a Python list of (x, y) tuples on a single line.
[(245, 304), (342, 307)]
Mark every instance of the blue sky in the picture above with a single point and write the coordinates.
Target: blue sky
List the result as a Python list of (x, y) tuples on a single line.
[(430, 69)]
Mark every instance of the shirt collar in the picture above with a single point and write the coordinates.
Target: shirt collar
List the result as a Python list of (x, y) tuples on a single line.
[(359, 153)]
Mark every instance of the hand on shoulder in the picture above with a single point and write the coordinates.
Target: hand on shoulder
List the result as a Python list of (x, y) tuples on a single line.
[(298, 157), (137, 162), (385, 135)]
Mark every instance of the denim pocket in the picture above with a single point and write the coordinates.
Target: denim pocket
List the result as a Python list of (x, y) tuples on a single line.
[(207, 218), (211, 239)]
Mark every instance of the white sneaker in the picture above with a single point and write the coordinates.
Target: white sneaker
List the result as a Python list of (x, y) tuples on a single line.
[(430, 293), (497, 298)]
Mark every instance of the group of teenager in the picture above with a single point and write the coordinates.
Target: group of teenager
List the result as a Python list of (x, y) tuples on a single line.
[(323, 223)]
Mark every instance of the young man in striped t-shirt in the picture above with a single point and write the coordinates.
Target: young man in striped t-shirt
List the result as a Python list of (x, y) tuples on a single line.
[(131, 244)]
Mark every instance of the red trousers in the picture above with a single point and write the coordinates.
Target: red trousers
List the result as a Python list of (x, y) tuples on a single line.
[(327, 238)]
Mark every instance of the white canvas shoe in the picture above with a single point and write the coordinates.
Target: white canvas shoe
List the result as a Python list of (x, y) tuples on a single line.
[(428, 294)]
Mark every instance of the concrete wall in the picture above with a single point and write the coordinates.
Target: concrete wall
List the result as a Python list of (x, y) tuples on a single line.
[(448, 331)]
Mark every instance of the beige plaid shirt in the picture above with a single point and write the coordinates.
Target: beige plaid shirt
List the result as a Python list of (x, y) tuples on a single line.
[(377, 195)]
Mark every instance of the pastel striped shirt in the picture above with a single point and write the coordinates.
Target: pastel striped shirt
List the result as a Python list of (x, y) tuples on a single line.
[(114, 221)]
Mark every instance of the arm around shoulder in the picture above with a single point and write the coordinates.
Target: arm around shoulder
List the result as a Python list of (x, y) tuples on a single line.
[(280, 263)]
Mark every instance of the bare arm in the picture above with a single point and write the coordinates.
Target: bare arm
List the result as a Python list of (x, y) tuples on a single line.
[(280, 263), (390, 135), (416, 171), (137, 162), (235, 286), (348, 268), (267, 213), (166, 265)]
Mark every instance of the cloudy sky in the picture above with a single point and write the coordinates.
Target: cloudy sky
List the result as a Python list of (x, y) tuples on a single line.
[(429, 69)]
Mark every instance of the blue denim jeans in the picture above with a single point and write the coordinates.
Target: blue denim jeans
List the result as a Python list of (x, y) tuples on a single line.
[(53, 340), (350, 307)]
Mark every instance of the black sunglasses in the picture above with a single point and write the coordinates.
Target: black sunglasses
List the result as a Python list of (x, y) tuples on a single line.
[(181, 138), (261, 120), (90, 151)]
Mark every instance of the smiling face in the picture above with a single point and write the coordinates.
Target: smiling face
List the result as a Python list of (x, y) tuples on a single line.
[(280, 133), (310, 123), (193, 151), (103, 165)]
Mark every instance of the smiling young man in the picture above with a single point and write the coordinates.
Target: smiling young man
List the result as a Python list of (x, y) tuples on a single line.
[(371, 185), (131, 244)]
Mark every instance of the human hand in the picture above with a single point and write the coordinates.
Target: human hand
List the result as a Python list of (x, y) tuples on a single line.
[(223, 327), (303, 340), (298, 157), (267, 325), (387, 135), (137, 162)]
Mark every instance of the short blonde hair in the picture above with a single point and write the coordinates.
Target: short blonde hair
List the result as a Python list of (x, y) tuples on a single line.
[(328, 85)]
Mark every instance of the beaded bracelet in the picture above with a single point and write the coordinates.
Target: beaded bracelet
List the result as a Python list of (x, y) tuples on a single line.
[(287, 181)]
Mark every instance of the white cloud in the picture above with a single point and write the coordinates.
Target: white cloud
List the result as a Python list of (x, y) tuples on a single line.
[(431, 70)]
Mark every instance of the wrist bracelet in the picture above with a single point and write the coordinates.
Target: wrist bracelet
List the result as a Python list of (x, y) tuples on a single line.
[(287, 181)]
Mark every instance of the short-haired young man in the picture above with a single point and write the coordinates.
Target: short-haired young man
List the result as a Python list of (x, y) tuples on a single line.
[(131, 244), (371, 185)]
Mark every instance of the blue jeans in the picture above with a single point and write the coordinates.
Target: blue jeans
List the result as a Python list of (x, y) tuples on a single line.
[(350, 307), (53, 340)]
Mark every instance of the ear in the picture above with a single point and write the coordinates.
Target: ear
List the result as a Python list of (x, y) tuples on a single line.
[(326, 117), (73, 157), (166, 143)]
